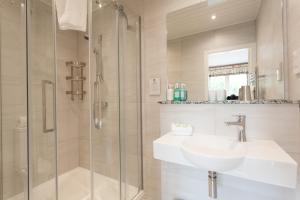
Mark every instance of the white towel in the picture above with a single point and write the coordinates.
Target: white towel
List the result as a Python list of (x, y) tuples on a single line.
[(72, 14)]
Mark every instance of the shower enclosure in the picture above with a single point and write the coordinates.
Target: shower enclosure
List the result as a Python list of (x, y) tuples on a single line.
[(53, 147)]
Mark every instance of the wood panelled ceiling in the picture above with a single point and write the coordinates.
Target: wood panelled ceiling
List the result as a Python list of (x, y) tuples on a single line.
[(197, 18)]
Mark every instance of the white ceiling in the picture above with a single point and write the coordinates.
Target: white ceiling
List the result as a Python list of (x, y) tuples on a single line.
[(197, 18)]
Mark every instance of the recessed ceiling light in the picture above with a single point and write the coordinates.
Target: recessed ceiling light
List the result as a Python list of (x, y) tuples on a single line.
[(213, 17), (100, 5), (215, 2)]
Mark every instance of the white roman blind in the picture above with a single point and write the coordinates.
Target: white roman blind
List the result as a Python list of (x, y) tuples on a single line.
[(224, 70)]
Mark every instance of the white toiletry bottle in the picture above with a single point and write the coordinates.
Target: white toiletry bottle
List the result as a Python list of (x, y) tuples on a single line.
[(170, 93)]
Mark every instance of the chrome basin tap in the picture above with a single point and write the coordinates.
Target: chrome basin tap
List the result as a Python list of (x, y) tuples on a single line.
[(241, 123)]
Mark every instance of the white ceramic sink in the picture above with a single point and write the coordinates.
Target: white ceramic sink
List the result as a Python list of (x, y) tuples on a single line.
[(258, 160), (214, 153)]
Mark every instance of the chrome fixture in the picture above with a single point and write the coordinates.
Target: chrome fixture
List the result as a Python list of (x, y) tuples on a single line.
[(76, 78), (123, 14), (99, 60), (241, 123), (99, 105), (212, 185), (48, 94)]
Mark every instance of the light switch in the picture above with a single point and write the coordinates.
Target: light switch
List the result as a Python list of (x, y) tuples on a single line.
[(154, 86)]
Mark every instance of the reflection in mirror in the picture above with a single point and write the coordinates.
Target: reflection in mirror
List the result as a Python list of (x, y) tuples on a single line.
[(230, 50)]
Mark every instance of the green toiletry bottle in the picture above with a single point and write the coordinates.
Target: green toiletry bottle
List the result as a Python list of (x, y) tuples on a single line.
[(176, 93), (183, 92)]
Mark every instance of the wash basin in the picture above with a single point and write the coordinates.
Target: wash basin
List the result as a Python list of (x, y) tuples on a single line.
[(263, 161), (214, 153)]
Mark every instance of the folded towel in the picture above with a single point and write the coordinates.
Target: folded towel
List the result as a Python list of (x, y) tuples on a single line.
[(72, 14), (181, 129)]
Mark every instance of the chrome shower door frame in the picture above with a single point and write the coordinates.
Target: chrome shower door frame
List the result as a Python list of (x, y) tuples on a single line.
[(121, 13), (1, 145)]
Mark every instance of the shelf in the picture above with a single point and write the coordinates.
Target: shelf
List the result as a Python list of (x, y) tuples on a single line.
[(268, 101), (76, 79), (71, 78), (76, 93), (75, 64)]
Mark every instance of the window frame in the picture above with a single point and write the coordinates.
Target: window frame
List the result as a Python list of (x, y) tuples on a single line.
[(251, 65)]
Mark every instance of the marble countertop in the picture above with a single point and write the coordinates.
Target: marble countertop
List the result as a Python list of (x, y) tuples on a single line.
[(271, 101)]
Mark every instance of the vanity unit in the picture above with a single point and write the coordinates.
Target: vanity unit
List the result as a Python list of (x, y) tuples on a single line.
[(260, 155)]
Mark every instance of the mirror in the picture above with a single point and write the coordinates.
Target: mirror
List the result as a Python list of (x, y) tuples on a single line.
[(228, 49)]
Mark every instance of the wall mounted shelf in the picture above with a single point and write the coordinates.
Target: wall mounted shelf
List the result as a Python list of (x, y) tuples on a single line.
[(76, 79)]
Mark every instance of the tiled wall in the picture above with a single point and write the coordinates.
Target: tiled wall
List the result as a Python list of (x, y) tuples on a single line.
[(270, 40), (84, 106), (154, 65), (67, 110), (186, 55), (293, 16)]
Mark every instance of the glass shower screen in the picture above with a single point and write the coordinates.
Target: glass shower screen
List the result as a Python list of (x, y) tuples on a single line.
[(107, 148), (117, 143)]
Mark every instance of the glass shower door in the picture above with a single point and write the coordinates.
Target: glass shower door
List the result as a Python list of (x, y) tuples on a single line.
[(130, 104), (27, 62), (105, 103), (116, 115), (41, 100), (13, 136)]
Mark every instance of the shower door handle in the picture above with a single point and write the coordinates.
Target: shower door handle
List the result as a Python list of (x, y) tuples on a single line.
[(48, 86), (97, 108)]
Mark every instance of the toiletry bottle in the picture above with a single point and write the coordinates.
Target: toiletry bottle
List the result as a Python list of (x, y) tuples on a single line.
[(183, 92), (170, 93), (176, 92)]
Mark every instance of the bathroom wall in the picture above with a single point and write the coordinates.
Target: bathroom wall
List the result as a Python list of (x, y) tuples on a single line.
[(84, 106), (155, 62), (293, 24), (186, 55), (154, 65), (268, 121), (270, 49), (68, 111), (293, 16)]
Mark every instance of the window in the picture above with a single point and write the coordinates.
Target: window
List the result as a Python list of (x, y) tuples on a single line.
[(228, 70), (230, 83)]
